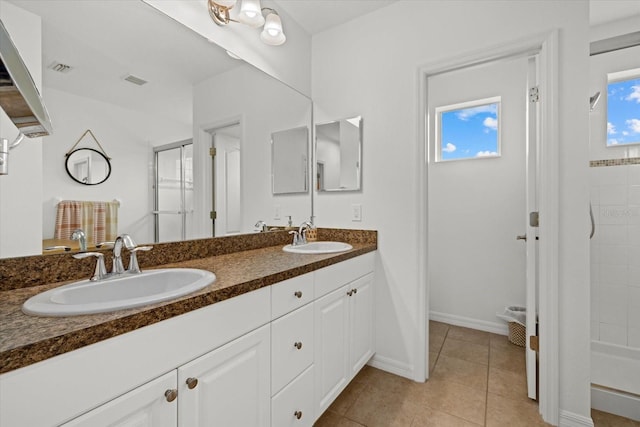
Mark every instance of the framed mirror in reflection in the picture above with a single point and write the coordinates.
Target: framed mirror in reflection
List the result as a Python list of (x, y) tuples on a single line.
[(339, 155), (182, 87), (289, 159), (88, 166)]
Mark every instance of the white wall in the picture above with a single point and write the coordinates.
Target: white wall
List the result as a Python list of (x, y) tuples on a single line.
[(128, 138), (263, 105), (376, 77), (20, 214)]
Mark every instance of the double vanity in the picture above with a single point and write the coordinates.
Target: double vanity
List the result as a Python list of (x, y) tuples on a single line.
[(271, 342)]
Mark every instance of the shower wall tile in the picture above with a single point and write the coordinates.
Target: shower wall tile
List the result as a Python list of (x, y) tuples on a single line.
[(614, 275), (612, 234), (614, 194), (634, 195), (615, 251), (614, 254), (613, 334), (613, 314)]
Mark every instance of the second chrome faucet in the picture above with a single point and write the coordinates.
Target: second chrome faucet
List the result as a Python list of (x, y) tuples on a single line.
[(100, 271)]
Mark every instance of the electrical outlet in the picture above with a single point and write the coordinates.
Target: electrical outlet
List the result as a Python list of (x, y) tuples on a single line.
[(356, 212), (276, 212)]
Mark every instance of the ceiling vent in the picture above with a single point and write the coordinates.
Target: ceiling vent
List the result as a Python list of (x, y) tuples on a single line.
[(135, 80), (60, 67)]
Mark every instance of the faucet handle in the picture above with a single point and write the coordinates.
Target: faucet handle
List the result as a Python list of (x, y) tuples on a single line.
[(296, 238), (100, 271), (134, 267)]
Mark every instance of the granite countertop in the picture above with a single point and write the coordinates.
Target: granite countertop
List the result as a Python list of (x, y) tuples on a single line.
[(25, 339)]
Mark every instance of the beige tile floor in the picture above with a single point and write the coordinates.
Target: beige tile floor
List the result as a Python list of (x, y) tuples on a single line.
[(477, 379)]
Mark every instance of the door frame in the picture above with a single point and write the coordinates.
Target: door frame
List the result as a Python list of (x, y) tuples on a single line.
[(546, 44), (202, 171)]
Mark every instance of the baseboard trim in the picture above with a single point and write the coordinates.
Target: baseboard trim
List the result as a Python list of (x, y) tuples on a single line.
[(569, 419), (615, 402), (467, 322), (392, 366)]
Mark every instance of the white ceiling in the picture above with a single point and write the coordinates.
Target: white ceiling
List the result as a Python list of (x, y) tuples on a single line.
[(318, 15)]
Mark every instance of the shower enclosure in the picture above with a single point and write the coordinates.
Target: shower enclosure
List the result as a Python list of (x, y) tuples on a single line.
[(173, 198), (615, 246)]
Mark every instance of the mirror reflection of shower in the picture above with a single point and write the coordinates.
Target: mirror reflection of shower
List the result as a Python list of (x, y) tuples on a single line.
[(593, 100)]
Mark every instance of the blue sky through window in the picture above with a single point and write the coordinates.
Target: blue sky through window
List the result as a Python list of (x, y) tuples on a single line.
[(623, 112), (469, 132)]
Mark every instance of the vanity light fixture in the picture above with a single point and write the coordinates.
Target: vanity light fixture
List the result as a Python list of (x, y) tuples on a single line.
[(250, 14)]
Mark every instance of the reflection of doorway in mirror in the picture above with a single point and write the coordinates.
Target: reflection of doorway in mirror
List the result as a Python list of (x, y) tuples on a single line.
[(319, 176), (225, 180), (82, 169)]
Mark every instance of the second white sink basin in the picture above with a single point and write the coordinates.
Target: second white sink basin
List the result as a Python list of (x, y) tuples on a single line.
[(318, 248), (118, 293)]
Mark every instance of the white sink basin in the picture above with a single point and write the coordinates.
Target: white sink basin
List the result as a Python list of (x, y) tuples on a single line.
[(125, 291), (318, 248)]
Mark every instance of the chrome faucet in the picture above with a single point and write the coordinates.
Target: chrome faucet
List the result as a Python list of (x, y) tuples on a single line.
[(127, 241), (261, 226), (79, 235), (100, 271), (302, 232)]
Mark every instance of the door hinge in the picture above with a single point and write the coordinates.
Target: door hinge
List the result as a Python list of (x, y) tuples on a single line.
[(534, 94), (213, 215), (212, 152), (534, 343), (534, 219)]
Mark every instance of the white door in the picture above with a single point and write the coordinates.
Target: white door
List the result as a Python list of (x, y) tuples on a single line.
[(331, 347), (479, 197), (226, 180), (360, 323), (229, 386), (145, 406)]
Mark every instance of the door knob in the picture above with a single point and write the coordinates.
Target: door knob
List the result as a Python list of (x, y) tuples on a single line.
[(298, 345), (297, 414)]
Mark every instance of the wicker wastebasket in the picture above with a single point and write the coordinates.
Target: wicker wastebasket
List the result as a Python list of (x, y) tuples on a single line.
[(517, 334)]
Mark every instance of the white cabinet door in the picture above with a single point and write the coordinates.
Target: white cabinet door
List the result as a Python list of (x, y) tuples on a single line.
[(145, 406), (360, 323), (332, 347), (233, 384)]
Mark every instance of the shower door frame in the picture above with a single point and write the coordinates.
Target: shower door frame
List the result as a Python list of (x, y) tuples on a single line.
[(546, 45)]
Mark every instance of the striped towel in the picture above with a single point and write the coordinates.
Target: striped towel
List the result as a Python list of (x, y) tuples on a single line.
[(98, 220)]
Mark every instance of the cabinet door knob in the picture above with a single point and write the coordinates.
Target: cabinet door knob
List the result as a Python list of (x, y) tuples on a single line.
[(349, 293), (298, 414), (298, 294), (192, 383), (355, 291), (298, 345), (171, 394)]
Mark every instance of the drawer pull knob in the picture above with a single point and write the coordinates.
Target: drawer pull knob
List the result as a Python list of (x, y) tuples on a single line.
[(298, 345), (298, 414), (298, 294), (349, 293), (355, 291), (171, 394), (192, 383)]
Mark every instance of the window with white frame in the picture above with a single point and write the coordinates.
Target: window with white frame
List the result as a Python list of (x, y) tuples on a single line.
[(623, 108), (468, 130)]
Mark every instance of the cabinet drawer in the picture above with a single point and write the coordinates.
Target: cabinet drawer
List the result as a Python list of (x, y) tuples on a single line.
[(295, 400), (330, 278), (291, 346), (291, 294)]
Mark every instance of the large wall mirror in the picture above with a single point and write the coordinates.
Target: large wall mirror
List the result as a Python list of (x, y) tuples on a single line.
[(339, 155), (145, 89)]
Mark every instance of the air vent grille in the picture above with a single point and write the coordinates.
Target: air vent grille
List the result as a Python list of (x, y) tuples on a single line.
[(135, 80), (60, 67)]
